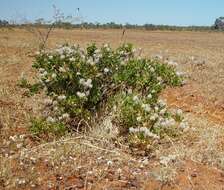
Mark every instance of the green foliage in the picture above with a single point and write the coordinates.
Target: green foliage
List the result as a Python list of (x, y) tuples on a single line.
[(42, 127), (80, 82), (33, 88)]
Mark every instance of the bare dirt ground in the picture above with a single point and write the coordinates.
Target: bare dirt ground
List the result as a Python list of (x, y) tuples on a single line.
[(96, 161)]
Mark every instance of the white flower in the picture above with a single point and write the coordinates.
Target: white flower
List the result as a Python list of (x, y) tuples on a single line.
[(55, 103), (97, 51), (50, 119), (156, 108), (143, 129), (154, 117), (43, 74), (106, 46), (19, 145), (62, 56), (184, 126), (123, 62), (97, 60), (159, 57), (152, 69), (81, 95), (48, 102), (136, 99), (87, 93), (90, 61), (13, 138), (21, 181), (139, 118), (109, 163), (139, 58), (37, 53), (53, 75), (119, 170), (83, 56), (129, 91), (75, 46), (179, 74), (121, 52), (56, 108), (159, 79), (65, 116), (89, 83), (163, 111), (171, 122), (61, 97), (132, 130), (162, 103), (149, 96), (148, 133), (62, 69), (146, 107), (106, 70), (172, 63), (82, 81), (168, 122), (72, 59), (179, 112), (165, 160), (50, 57), (41, 70)]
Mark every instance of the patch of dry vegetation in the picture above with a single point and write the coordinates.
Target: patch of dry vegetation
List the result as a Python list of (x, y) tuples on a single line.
[(98, 159)]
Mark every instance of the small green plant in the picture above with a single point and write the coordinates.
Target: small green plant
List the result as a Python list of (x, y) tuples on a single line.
[(32, 88), (24, 83), (79, 83), (42, 127)]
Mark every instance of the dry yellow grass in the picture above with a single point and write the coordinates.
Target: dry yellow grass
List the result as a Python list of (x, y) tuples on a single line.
[(95, 161)]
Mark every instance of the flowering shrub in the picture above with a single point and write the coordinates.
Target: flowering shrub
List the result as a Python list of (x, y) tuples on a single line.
[(80, 82)]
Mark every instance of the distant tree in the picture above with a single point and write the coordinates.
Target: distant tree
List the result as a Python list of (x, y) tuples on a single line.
[(219, 23), (4, 23), (39, 21)]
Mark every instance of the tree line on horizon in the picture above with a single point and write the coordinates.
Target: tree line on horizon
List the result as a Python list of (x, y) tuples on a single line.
[(218, 25)]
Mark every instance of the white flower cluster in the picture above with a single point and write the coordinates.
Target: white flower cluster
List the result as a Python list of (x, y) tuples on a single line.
[(53, 105), (146, 107), (64, 50), (136, 99), (106, 70), (81, 94), (61, 97), (145, 131), (48, 102), (165, 160), (42, 73), (184, 126), (165, 122), (171, 63), (90, 61), (97, 55), (86, 83), (157, 114)]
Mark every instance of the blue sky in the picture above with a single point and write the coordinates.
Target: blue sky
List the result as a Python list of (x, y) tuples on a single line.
[(172, 12)]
